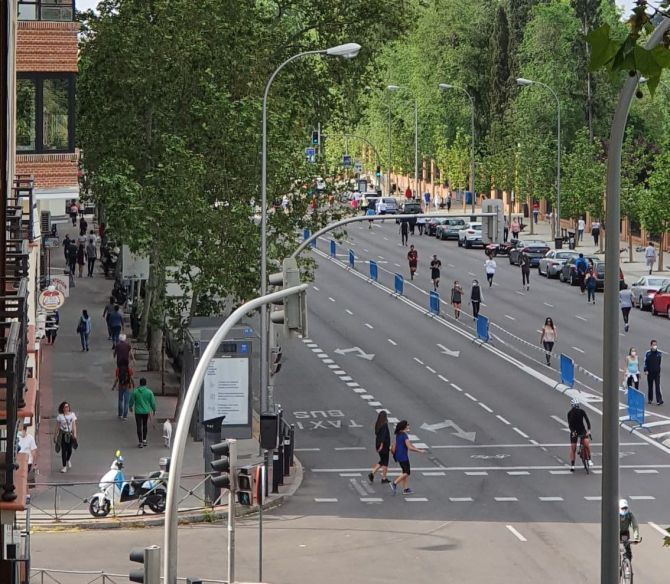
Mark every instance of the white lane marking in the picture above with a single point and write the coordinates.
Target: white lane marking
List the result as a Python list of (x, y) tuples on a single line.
[(368, 396), (520, 293), (328, 361), (315, 288), (472, 397), (455, 387), (505, 499), (346, 378), (367, 324), (324, 500), (539, 331), (660, 530), (533, 444), (503, 420), (421, 445), (342, 448), (487, 408), (443, 378), (392, 342), (333, 366), (578, 349), (312, 345), (549, 305), (381, 257), (519, 432), (416, 499), (349, 312), (393, 420), (597, 498), (555, 467), (374, 404), (306, 340), (339, 372), (331, 298), (510, 317), (461, 499), (317, 350), (550, 499), (433, 474), (371, 500), (386, 239), (516, 533), (430, 369), (451, 266), (397, 265), (350, 474), (561, 472), (471, 274), (517, 473), (365, 250), (419, 361), (322, 356), (359, 389), (306, 449), (560, 420), (476, 473), (352, 384), (412, 436), (642, 498), (580, 317), (646, 471)]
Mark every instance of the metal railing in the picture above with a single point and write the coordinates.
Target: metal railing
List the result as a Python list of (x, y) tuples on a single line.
[(53, 576)]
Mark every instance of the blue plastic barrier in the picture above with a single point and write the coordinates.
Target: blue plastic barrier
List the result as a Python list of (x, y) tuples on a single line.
[(398, 284), (636, 405), (373, 270), (306, 234), (567, 371), (333, 248), (483, 328), (434, 302), (352, 258)]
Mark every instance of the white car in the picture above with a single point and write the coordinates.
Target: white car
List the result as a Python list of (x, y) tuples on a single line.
[(470, 235), (644, 289), (550, 265)]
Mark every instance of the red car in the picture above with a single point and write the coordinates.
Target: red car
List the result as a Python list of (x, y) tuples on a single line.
[(661, 302)]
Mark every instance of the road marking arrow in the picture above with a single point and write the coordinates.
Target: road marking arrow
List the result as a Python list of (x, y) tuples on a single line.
[(360, 353), (448, 352), (460, 433)]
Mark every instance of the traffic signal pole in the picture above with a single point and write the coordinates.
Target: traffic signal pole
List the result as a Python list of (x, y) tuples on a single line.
[(170, 535)]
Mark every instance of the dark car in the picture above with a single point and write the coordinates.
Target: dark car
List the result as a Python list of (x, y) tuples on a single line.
[(535, 250), (599, 273), (499, 249), (431, 226), (568, 272), (411, 208), (449, 229)]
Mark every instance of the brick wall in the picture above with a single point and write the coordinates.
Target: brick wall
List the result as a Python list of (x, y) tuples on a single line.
[(49, 170), (43, 47)]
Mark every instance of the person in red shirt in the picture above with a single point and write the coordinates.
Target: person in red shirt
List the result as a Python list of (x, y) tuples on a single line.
[(408, 193), (413, 258), (123, 379)]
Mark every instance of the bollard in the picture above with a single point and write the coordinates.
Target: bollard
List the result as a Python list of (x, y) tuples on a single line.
[(287, 452), (280, 462), (266, 462), (276, 471), (291, 460)]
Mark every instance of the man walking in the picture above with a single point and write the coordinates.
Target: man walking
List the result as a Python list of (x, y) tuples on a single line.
[(115, 324), (525, 271), (125, 382), (650, 256), (582, 266), (595, 231), (123, 352), (142, 400), (91, 256), (404, 231), (435, 266), (652, 367), (581, 225), (413, 259)]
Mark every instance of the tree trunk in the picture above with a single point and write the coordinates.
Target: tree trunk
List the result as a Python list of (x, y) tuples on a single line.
[(660, 252), (157, 313), (156, 349), (630, 242), (146, 309)]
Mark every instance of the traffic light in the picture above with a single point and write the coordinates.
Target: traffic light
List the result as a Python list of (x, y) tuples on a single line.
[(151, 571), (224, 466), (275, 360), (492, 227), (315, 137), (245, 485), (378, 170), (293, 311)]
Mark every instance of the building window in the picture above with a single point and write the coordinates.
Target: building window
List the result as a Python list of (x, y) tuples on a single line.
[(55, 10), (45, 113)]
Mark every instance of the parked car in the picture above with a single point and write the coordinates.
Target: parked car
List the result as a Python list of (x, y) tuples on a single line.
[(599, 273), (470, 235), (535, 250), (550, 265), (411, 208), (645, 288), (431, 226), (449, 229), (391, 206), (568, 272), (661, 302)]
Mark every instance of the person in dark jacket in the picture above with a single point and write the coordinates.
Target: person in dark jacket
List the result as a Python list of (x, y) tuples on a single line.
[(81, 259), (72, 256), (652, 367), (525, 271), (382, 446), (475, 298), (66, 246)]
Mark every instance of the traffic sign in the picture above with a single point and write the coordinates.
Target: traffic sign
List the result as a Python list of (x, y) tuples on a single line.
[(310, 154), (358, 166), (346, 161)]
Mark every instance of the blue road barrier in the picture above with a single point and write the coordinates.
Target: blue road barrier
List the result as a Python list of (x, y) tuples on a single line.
[(636, 405), (373, 270), (483, 328), (567, 371), (305, 234), (434, 302), (398, 284), (352, 258), (333, 248)]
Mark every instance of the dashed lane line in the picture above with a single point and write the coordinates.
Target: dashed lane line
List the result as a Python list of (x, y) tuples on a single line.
[(550, 499), (503, 420), (658, 528), (419, 361), (516, 533), (578, 349), (306, 449), (349, 312), (416, 499), (517, 473), (339, 372), (331, 298), (328, 361), (350, 474), (315, 288), (434, 473), (646, 471), (455, 387), (476, 473), (461, 499), (443, 378), (549, 305), (594, 498), (342, 448), (325, 500), (371, 500), (641, 498), (469, 396), (520, 433), (510, 317), (392, 342), (367, 324), (580, 317), (430, 369), (487, 408), (506, 499)]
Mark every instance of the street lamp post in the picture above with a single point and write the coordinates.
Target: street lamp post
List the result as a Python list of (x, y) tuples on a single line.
[(346, 51), (447, 87), (416, 137), (525, 83), (390, 160)]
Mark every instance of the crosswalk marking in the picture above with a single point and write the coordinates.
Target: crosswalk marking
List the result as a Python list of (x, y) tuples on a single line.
[(461, 499), (371, 500)]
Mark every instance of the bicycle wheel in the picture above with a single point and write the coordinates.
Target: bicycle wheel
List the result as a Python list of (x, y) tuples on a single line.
[(585, 460), (626, 571)]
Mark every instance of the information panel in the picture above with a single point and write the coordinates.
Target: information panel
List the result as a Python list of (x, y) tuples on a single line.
[(226, 391)]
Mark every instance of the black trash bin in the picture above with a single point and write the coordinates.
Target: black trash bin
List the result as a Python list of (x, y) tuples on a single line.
[(558, 243)]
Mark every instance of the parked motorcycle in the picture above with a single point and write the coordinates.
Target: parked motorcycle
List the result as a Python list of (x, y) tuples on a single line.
[(114, 488)]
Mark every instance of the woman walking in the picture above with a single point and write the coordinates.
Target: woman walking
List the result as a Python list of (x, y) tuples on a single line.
[(91, 255), (413, 259), (525, 271), (66, 434), (632, 369), (490, 267), (548, 337), (456, 299), (475, 298), (401, 449), (515, 228), (590, 287), (382, 446), (84, 329), (81, 254)]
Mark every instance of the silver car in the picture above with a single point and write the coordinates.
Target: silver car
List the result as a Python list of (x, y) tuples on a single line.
[(644, 289), (550, 265)]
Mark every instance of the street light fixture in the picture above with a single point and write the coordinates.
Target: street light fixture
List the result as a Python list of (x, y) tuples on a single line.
[(447, 87), (394, 88), (345, 51), (525, 83)]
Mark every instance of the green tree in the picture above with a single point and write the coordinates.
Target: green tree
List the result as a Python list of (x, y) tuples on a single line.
[(654, 202), (500, 73)]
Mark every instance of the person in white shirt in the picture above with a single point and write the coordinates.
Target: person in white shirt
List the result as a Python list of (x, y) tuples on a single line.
[(27, 446), (581, 225), (650, 256), (490, 267)]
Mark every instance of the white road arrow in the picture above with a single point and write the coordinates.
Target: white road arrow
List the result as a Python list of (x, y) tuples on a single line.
[(361, 353), (448, 352), (460, 433)]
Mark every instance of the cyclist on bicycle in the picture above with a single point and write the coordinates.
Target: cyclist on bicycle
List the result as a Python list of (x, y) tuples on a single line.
[(580, 428), (626, 521)]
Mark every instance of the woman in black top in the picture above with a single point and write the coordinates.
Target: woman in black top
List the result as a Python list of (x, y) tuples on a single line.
[(456, 298), (475, 298), (383, 446)]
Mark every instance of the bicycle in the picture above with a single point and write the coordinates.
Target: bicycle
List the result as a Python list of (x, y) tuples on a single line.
[(582, 454), (625, 564)]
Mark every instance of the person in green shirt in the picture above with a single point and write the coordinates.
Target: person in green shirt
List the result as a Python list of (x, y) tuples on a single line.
[(143, 402)]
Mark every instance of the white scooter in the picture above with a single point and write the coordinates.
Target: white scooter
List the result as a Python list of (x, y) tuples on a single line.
[(150, 490)]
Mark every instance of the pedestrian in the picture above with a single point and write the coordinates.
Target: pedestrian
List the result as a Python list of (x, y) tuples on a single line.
[(51, 325), (548, 337), (581, 266), (448, 201), (525, 271), (123, 352), (74, 209), (625, 303), (81, 256), (650, 256), (84, 329), (581, 225), (505, 229), (124, 381), (590, 283), (536, 211), (435, 266), (421, 224), (83, 226), (412, 225), (370, 213), (72, 256), (66, 434), (404, 231), (408, 193), (475, 299), (595, 231), (142, 400), (515, 227), (106, 313), (652, 367), (66, 246), (102, 230), (456, 299), (382, 446), (115, 324), (91, 256), (632, 369), (92, 237), (426, 200), (27, 446), (490, 268), (413, 259), (401, 449)]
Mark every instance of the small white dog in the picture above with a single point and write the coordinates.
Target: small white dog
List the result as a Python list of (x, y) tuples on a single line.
[(167, 433)]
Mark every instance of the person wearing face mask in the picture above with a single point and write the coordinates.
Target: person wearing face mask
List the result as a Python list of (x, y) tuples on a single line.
[(632, 369), (27, 446), (476, 299), (652, 367)]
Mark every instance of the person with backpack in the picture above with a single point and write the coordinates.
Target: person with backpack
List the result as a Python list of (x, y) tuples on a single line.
[(382, 446), (123, 380), (84, 329), (582, 266), (142, 400), (401, 448)]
